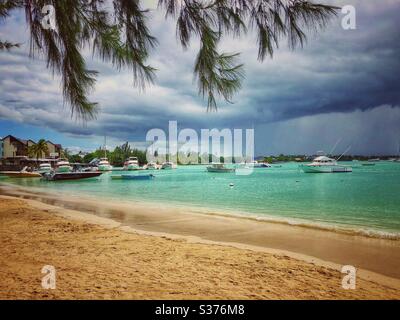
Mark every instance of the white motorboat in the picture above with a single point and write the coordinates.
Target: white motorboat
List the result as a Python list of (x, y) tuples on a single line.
[(220, 168), (168, 165), (104, 165), (63, 166), (132, 163), (152, 166), (44, 168), (323, 164)]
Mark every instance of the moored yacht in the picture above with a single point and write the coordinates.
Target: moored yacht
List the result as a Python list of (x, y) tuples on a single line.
[(168, 165), (44, 168), (323, 164), (152, 166), (104, 165), (132, 163), (63, 166), (220, 168)]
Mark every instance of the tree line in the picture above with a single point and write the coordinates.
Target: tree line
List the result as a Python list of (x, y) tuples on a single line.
[(116, 157)]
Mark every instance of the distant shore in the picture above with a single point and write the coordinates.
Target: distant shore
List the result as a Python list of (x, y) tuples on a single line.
[(158, 253)]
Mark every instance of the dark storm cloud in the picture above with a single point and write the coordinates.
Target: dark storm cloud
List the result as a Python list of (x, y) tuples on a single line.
[(337, 72)]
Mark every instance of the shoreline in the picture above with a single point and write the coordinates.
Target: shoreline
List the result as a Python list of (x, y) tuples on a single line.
[(374, 257), (362, 231), (98, 258)]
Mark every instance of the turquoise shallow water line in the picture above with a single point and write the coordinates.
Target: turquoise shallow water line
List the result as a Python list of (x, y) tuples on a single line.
[(368, 198)]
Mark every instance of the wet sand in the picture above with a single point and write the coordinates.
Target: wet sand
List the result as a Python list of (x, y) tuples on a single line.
[(380, 256), (98, 258)]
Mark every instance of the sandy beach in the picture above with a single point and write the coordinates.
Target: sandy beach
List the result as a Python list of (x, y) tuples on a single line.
[(100, 258)]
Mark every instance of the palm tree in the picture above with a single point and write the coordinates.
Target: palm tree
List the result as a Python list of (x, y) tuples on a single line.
[(39, 149), (120, 35), (65, 153)]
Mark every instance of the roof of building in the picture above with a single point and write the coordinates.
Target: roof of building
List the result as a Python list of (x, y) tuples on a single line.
[(25, 142), (15, 138)]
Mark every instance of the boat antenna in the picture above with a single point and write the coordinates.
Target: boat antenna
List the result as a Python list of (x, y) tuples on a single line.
[(343, 153), (334, 147)]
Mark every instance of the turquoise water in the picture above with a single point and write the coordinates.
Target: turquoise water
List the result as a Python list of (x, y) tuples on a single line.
[(367, 199)]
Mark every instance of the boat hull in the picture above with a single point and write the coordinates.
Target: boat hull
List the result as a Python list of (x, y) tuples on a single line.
[(43, 171), (72, 176), (326, 169), (131, 167), (105, 168), (223, 170), (17, 174), (132, 177)]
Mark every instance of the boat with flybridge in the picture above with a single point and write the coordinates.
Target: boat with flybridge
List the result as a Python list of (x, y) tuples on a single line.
[(132, 163)]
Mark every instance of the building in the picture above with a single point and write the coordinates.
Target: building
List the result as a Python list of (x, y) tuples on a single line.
[(54, 150), (14, 147), (14, 153)]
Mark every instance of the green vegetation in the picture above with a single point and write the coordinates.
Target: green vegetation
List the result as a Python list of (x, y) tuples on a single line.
[(116, 157), (39, 149)]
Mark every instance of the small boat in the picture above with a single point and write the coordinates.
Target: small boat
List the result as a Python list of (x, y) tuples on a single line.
[(132, 177), (132, 163), (323, 164), (220, 168), (374, 160), (368, 164), (257, 164), (59, 176), (63, 166), (152, 166), (44, 168), (21, 174), (104, 165), (263, 165), (168, 166)]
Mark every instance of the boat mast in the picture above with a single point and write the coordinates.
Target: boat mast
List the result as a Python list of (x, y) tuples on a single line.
[(105, 148)]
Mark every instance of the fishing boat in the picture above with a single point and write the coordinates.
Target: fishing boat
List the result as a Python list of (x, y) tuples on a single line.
[(132, 177), (59, 176), (168, 165), (323, 164), (44, 168), (219, 168), (132, 163), (104, 165), (63, 166)]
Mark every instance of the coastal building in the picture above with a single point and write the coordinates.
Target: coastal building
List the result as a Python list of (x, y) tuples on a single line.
[(14, 147), (54, 150), (14, 153)]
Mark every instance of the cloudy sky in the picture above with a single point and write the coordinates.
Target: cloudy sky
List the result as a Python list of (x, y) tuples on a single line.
[(341, 88)]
